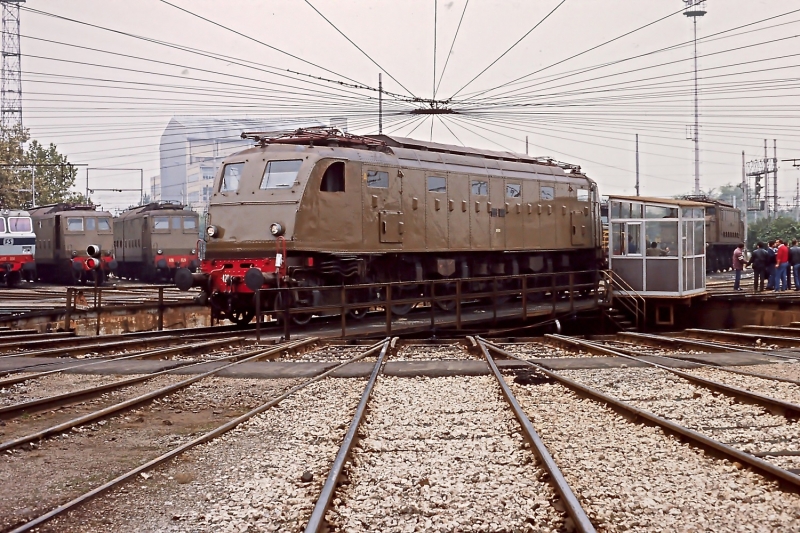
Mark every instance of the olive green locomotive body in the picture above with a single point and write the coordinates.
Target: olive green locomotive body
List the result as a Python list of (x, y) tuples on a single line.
[(63, 234), (724, 232), (377, 209), (152, 241)]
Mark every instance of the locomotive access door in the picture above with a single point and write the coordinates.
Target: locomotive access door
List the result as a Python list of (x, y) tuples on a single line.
[(436, 211), (381, 197), (479, 213), (514, 218), (497, 215), (457, 212)]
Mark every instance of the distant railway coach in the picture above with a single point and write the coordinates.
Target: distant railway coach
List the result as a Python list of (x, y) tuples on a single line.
[(724, 231), (319, 208), (152, 241), (64, 233), (17, 246)]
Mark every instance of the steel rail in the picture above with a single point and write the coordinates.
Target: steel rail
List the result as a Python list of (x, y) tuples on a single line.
[(30, 337), (787, 409), (679, 342), (71, 397), (709, 365), (783, 477), (160, 353), (571, 504), (127, 404), (93, 347), (786, 342), (224, 428), (317, 520)]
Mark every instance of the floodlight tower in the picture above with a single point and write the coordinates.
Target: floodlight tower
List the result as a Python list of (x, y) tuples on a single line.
[(694, 9), (11, 83)]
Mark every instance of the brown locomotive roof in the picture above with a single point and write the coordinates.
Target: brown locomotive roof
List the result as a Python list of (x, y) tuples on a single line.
[(153, 206), (656, 200)]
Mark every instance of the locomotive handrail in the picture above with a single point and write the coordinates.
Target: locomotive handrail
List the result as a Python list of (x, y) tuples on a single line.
[(630, 298)]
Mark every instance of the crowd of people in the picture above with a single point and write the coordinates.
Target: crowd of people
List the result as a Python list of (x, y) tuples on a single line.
[(775, 265)]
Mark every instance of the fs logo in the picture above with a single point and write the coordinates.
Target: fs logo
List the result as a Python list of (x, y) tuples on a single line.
[(8, 241)]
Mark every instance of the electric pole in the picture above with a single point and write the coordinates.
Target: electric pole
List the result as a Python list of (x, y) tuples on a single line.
[(637, 164), (694, 9)]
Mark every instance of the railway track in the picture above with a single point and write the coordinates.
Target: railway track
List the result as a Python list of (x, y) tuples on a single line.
[(613, 446)]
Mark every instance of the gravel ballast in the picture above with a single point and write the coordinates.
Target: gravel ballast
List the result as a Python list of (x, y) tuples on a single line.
[(442, 454), (630, 477)]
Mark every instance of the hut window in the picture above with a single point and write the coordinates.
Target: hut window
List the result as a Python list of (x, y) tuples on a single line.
[(333, 179)]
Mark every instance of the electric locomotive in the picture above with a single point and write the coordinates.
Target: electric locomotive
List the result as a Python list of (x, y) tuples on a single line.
[(152, 241), (17, 246), (320, 208), (64, 235)]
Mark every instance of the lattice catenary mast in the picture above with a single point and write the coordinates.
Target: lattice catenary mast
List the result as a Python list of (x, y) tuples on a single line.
[(11, 83)]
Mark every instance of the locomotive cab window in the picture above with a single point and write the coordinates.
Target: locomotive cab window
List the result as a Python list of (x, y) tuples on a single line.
[(377, 179), (103, 224), (333, 179), (161, 223), (480, 188), (18, 225), (189, 223), (176, 222), (91, 224), (437, 184), (230, 177), (280, 174), (583, 195), (74, 224), (513, 190), (2, 225)]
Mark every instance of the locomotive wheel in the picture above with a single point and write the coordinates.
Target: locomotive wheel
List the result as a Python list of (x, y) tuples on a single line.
[(13, 279), (241, 316), (443, 289), (301, 319)]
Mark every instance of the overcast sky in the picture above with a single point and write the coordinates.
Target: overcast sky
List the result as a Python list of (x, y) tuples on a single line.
[(104, 97)]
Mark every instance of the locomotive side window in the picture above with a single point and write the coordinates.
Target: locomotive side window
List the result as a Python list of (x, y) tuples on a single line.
[(437, 184), (230, 177), (18, 225), (377, 179), (480, 188), (547, 193), (513, 190), (161, 223), (280, 174), (176, 222), (103, 224), (189, 223), (583, 195), (74, 224), (333, 179), (91, 224)]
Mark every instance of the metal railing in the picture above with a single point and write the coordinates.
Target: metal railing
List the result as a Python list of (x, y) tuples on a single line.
[(448, 294), (619, 290)]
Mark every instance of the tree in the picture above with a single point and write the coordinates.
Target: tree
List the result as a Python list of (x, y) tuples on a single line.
[(767, 229), (53, 175)]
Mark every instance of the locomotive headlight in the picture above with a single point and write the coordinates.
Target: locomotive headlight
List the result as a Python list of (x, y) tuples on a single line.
[(159, 252), (194, 251), (212, 231), (26, 249), (276, 229)]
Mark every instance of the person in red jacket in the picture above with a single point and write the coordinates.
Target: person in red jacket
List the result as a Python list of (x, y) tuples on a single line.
[(782, 265)]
